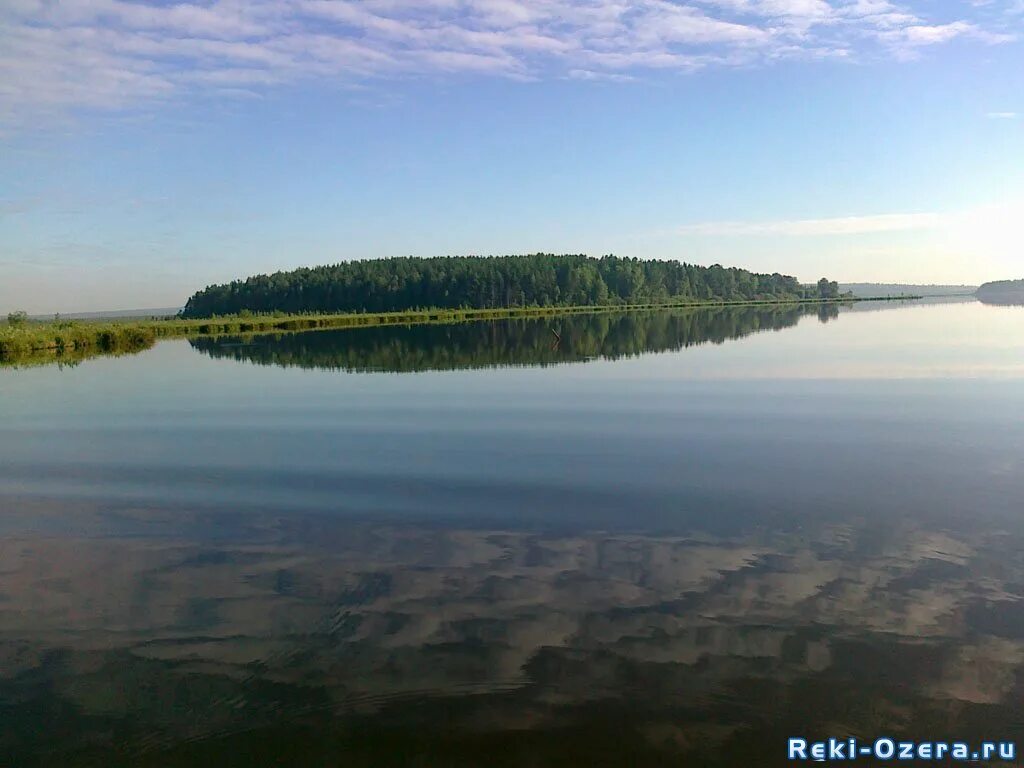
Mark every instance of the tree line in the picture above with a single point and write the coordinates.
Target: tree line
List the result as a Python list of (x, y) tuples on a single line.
[(484, 282)]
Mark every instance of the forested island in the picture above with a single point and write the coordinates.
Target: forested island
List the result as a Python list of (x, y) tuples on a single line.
[(487, 282), (1002, 292), (410, 291)]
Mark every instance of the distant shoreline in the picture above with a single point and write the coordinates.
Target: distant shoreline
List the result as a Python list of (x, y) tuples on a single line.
[(1002, 292), (110, 314), (901, 290)]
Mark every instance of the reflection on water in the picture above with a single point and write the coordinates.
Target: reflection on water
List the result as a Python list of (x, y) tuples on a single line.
[(321, 642), (679, 558), (569, 338), (73, 356), (1003, 301)]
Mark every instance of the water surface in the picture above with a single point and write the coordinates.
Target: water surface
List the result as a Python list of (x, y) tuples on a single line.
[(604, 540)]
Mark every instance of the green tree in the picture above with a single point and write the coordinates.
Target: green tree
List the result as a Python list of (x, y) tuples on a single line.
[(828, 290), (17, 319)]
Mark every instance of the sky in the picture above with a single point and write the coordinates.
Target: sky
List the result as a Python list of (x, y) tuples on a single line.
[(149, 149)]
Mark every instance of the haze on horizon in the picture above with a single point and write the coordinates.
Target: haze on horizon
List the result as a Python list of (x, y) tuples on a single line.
[(151, 149)]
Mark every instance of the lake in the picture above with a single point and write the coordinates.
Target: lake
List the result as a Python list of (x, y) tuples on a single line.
[(672, 537)]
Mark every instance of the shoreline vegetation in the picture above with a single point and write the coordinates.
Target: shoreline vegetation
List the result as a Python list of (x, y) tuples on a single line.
[(413, 290), (27, 342)]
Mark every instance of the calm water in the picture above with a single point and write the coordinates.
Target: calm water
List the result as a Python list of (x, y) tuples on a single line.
[(662, 538)]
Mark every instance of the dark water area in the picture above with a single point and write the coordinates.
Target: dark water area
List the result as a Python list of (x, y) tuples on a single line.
[(625, 539)]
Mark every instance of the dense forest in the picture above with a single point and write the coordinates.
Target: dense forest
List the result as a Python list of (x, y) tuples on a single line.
[(503, 343), (390, 285)]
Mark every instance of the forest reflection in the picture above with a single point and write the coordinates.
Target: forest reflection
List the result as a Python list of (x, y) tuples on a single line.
[(1003, 301), (507, 343)]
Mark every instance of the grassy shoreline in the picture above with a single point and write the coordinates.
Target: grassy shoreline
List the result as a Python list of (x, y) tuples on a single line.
[(117, 336)]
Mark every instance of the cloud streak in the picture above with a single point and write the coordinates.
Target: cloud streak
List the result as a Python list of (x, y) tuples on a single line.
[(842, 225), (113, 54)]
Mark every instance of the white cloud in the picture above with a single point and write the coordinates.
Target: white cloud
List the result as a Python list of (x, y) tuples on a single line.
[(122, 53), (1002, 115), (925, 35), (843, 225), (589, 74), (907, 40)]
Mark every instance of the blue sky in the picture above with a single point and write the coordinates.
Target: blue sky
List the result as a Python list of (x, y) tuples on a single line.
[(149, 149)]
